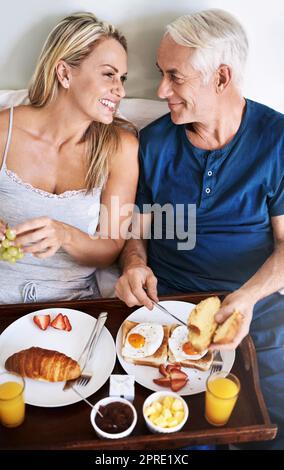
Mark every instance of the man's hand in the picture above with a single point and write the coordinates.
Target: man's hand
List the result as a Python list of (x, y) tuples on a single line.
[(243, 303), (130, 287)]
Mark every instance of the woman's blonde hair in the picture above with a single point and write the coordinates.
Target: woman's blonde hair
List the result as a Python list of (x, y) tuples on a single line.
[(72, 40), (217, 37)]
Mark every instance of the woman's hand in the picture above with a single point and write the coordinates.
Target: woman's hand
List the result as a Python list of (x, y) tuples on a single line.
[(243, 303), (3, 228), (41, 236)]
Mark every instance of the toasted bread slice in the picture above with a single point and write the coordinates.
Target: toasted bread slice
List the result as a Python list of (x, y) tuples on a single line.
[(156, 359), (226, 332), (202, 323), (203, 363)]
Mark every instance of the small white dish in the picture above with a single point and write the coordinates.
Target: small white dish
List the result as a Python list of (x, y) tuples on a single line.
[(157, 396), (103, 434)]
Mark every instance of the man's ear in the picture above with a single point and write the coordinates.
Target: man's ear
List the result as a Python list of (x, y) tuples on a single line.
[(63, 74), (223, 78)]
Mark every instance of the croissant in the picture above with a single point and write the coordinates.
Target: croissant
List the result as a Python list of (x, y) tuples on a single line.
[(43, 364)]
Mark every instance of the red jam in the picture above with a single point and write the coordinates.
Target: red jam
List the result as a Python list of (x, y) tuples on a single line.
[(117, 417)]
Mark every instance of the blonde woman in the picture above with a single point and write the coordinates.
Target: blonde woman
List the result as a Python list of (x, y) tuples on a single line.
[(68, 166)]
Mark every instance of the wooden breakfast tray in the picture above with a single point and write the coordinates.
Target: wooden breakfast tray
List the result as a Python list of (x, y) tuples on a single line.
[(69, 427)]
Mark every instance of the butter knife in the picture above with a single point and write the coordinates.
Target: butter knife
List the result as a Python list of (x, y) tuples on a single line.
[(88, 349), (164, 310)]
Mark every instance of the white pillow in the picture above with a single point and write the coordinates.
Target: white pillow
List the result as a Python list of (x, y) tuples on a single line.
[(10, 98), (141, 111)]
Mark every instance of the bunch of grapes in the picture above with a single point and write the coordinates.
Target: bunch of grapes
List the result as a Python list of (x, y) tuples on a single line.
[(8, 251)]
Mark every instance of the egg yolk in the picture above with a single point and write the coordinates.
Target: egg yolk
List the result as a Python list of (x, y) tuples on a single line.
[(136, 340), (188, 349)]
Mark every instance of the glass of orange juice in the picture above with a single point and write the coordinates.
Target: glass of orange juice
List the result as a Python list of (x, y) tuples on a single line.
[(222, 391), (12, 405)]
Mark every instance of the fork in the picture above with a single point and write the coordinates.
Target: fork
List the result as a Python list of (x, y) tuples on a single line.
[(217, 364), (86, 375)]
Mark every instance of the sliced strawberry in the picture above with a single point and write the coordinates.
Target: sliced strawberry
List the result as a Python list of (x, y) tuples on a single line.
[(177, 374), (170, 367), (177, 384), (163, 381), (42, 321), (68, 326), (59, 322), (163, 370)]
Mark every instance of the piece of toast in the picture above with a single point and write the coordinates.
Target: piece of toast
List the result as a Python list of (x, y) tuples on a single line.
[(202, 323), (156, 359), (203, 363), (226, 332)]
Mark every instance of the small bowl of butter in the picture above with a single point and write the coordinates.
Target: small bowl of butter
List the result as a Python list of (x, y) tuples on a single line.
[(165, 412)]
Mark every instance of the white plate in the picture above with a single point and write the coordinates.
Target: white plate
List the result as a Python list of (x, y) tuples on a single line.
[(23, 334), (144, 375)]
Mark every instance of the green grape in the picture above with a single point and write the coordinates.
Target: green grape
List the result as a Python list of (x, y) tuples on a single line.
[(8, 251), (13, 251), (10, 234), (6, 256), (6, 243)]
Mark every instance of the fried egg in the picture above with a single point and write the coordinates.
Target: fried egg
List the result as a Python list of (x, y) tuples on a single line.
[(143, 340), (180, 346)]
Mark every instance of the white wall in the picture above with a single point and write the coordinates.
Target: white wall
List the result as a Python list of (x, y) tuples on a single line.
[(26, 23)]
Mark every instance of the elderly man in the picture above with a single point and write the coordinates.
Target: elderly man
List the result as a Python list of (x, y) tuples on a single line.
[(224, 154)]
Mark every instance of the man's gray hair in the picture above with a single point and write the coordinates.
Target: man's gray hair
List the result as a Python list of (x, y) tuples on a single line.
[(219, 39)]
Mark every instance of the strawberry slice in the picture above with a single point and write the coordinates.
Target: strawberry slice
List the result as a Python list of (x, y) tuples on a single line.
[(177, 384), (58, 322), (42, 321), (163, 370), (177, 374), (68, 326), (163, 381), (173, 377)]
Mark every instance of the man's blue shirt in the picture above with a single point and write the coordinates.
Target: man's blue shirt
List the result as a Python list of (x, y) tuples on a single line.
[(236, 191)]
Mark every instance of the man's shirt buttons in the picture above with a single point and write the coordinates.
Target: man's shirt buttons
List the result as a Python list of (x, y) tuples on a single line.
[(208, 190), (209, 173)]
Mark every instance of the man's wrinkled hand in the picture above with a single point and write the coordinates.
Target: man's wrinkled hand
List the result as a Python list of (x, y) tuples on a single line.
[(131, 287), (237, 301)]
